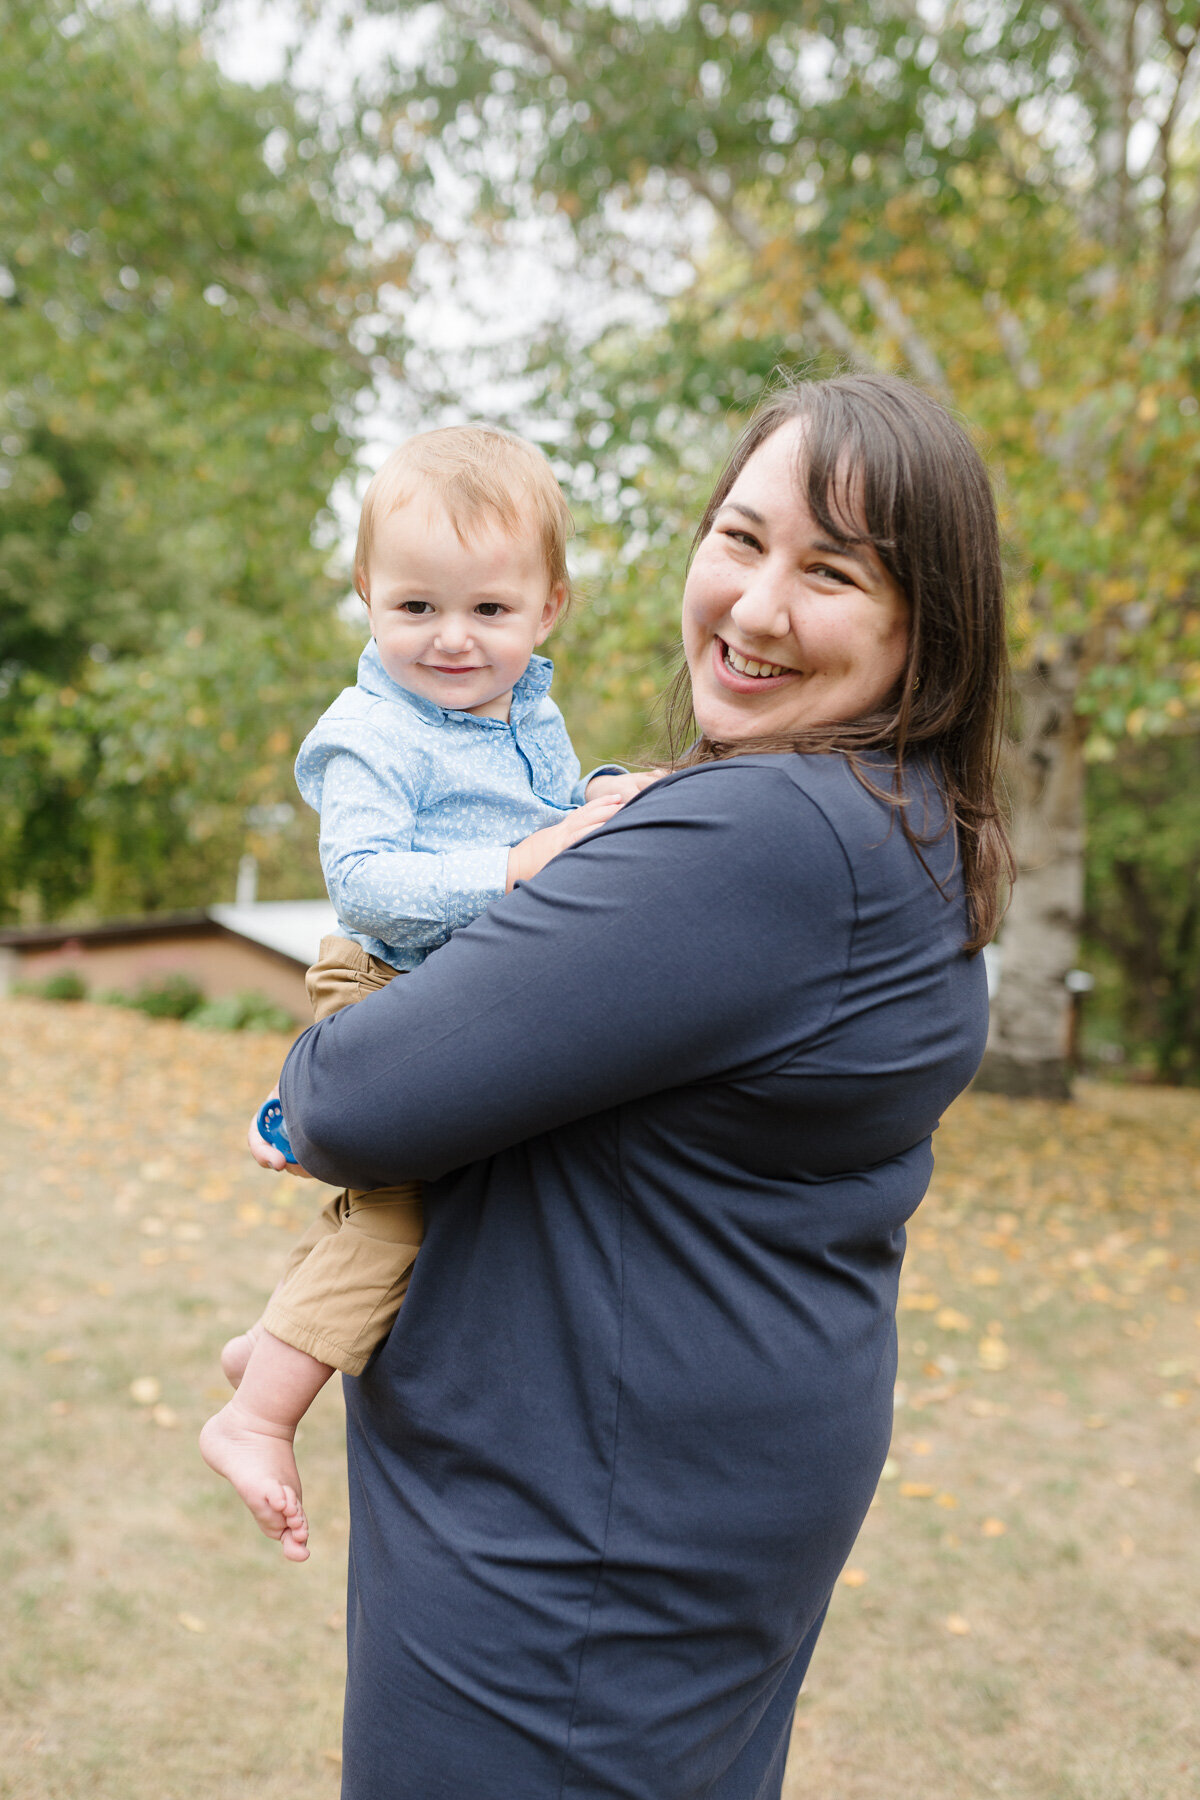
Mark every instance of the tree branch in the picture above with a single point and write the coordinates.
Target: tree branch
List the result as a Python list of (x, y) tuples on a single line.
[(302, 325), (1094, 41), (895, 320), (1013, 341)]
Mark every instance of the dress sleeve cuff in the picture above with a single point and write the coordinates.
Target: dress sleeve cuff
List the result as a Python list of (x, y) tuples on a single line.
[(579, 791)]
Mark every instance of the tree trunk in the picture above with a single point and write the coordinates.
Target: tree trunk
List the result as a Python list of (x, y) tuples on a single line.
[(1028, 1045)]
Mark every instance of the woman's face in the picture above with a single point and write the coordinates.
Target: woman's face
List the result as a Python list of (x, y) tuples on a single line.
[(784, 628)]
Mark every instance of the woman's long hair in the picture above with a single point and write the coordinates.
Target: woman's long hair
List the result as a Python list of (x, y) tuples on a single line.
[(883, 464)]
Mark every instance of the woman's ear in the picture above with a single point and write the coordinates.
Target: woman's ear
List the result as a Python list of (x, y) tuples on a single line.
[(555, 601)]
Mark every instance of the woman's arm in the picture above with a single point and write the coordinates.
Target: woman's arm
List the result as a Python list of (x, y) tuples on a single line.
[(704, 931)]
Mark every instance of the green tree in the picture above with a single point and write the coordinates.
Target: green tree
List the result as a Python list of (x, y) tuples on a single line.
[(1143, 900), (181, 349), (1002, 201)]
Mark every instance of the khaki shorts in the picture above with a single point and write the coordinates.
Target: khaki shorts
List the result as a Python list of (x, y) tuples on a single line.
[(344, 1281)]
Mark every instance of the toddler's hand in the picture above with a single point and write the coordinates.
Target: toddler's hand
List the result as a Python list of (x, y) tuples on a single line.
[(626, 786), (535, 851), (266, 1155)]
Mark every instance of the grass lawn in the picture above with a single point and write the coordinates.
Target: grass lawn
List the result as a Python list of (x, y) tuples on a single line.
[(1021, 1616)]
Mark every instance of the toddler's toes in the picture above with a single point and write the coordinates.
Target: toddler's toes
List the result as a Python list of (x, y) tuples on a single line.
[(294, 1537)]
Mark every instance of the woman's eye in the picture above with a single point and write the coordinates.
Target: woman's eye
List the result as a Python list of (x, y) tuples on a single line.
[(742, 537), (838, 575)]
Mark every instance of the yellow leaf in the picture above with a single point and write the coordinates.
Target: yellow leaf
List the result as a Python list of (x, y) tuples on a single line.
[(993, 1354), (918, 1303), (948, 1319), (62, 1353), (916, 1490), (985, 1277), (145, 1390), (190, 1622), (993, 1528), (165, 1416), (1126, 1478), (854, 1578), (957, 1626), (949, 1501)]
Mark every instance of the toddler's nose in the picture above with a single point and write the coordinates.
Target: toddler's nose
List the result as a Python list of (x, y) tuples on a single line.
[(453, 635)]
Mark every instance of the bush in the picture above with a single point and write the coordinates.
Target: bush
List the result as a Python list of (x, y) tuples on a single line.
[(174, 997), (242, 1012), (68, 984)]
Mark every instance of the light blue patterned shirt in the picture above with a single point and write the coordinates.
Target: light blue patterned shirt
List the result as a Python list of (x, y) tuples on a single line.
[(421, 804)]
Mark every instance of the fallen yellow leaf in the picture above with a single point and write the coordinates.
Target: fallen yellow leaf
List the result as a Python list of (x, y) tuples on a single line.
[(993, 1528), (916, 1490), (1126, 1478), (949, 1501), (993, 1354), (145, 1390), (985, 1277), (950, 1319), (854, 1578), (957, 1626), (190, 1622), (165, 1416), (62, 1353)]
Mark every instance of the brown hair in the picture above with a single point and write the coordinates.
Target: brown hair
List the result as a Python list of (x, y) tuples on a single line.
[(883, 464), (477, 472)]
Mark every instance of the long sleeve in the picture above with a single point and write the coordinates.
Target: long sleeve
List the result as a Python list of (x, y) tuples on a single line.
[(661, 951), (410, 899)]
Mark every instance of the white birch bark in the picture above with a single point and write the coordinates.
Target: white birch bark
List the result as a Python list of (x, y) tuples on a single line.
[(1028, 1051)]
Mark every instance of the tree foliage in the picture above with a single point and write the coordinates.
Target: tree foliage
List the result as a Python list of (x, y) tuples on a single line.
[(1002, 200), (177, 369)]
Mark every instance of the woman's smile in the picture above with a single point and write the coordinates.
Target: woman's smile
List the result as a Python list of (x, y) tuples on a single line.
[(745, 673)]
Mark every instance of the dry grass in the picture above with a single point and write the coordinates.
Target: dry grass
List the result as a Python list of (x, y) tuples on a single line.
[(1021, 1616)]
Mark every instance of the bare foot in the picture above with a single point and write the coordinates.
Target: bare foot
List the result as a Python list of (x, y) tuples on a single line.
[(257, 1459), (236, 1353)]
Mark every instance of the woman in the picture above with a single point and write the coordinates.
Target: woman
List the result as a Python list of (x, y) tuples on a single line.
[(673, 1103)]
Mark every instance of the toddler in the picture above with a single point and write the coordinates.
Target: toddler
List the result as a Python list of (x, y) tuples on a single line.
[(441, 779)]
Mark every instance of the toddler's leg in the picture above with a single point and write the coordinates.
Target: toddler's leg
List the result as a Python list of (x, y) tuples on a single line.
[(250, 1440), (236, 1353), (341, 1301)]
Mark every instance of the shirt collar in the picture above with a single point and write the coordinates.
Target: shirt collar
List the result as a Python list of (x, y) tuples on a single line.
[(372, 676)]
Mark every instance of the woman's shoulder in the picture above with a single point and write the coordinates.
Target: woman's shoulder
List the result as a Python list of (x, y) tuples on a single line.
[(794, 801)]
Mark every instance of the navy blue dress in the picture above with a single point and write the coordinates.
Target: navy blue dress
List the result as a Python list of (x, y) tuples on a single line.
[(673, 1102)]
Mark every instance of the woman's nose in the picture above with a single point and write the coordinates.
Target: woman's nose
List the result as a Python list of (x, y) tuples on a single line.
[(761, 610)]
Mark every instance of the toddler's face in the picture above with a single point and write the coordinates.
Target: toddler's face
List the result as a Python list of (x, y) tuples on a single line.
[(457, 623)]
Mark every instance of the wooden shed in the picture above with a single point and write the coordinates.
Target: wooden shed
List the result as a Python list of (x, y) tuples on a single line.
[(261, 946)]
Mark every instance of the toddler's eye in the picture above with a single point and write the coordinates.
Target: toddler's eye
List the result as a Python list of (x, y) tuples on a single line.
[(416, 607), (489, 609)]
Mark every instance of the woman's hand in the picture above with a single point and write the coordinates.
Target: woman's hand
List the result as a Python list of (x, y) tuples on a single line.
[(266, 1155), (535, 851), (627, 786)]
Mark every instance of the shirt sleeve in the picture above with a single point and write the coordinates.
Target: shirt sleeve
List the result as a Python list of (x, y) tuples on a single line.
[(703, 931), (379, 885)]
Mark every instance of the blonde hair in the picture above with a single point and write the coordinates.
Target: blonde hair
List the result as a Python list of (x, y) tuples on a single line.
[(477, 472)]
